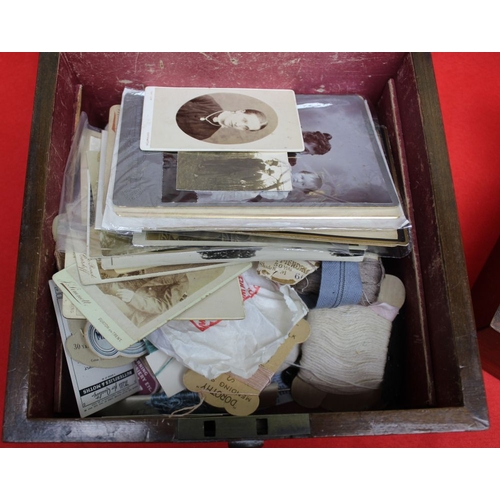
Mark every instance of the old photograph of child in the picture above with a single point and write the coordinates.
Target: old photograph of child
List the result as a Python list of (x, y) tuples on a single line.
[(341, 163)]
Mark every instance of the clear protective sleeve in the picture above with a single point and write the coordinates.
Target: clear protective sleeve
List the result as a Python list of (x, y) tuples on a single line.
[(142, 194), (79, 186), (141, 176)]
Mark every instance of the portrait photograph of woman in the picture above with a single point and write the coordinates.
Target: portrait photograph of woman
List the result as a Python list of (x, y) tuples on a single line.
[(191, 119)]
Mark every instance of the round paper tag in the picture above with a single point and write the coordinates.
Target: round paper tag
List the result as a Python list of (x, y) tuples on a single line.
[(78, 349), (101, 347), (98, 344)]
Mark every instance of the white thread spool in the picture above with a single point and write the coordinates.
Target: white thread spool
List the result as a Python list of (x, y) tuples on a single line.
[(346, 351), (343, 361)]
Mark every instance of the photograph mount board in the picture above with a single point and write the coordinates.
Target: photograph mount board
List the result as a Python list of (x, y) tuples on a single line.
[(207, 119)]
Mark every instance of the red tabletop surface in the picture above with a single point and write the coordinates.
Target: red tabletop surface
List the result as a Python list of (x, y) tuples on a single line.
[(468, 85)]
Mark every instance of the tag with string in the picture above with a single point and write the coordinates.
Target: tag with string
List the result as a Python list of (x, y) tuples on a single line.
[(240, 396)]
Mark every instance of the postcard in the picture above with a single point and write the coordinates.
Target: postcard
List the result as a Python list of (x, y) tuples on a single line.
[(91, 271), (375, 237), (209, 119), (95, 388), (194, 238), (69, 310), (92, 161), (253, 172), (225, 303), (165, 239), (135, 175), (353, 253), (99, 196), (126, 312), (105, 243)]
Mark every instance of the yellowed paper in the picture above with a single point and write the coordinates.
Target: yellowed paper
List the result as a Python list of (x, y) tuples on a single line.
[(287, 272)]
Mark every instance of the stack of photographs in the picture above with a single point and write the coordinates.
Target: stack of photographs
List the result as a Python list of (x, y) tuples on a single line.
[(183, 180), (186, 189), (340, 180)]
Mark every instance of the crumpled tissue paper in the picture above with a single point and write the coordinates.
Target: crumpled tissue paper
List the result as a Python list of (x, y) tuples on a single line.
[(211, 348)]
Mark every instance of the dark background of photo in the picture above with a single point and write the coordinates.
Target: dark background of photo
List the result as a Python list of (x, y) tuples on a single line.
[(353, 170), (235, 102)]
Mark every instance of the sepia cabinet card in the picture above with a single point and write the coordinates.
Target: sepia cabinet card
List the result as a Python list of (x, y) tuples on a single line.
[(208, 119), (91, 271), (126, 312)]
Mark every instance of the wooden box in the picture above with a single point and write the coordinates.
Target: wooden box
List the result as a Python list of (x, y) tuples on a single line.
[(434, 378), (486, 301)]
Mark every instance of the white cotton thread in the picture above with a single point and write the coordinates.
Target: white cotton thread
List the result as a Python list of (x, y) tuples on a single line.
[(346, 351)]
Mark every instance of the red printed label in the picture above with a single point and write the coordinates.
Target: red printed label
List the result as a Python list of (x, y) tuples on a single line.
[(247, 292), (203, 325)]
